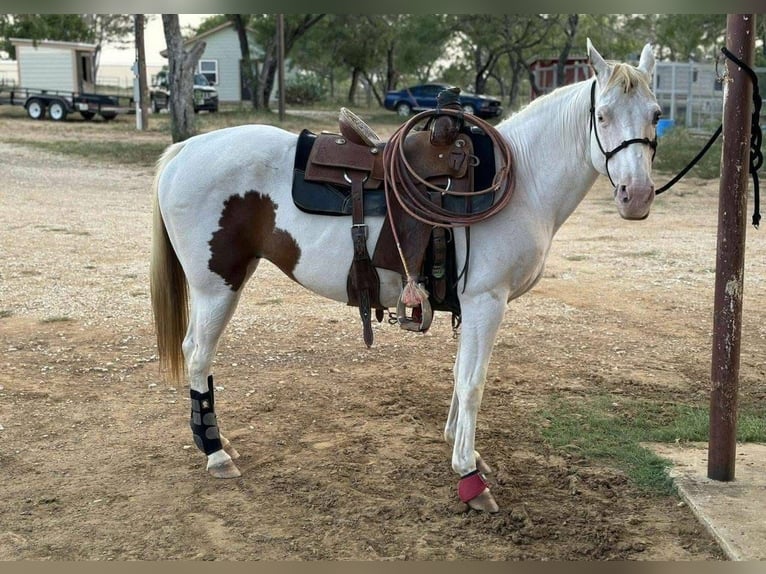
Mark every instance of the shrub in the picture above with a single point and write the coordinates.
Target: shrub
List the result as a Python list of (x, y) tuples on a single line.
[(304, 89), (678, 146)]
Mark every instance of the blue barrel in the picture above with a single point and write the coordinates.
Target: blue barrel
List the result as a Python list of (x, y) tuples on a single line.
[(664, 126)]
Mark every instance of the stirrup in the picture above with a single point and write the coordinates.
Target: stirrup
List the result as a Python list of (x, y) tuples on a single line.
[(410, 324)]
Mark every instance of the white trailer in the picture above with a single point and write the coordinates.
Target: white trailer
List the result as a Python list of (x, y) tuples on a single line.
[(58, 78)]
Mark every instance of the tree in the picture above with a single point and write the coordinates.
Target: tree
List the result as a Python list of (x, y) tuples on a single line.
[(247, 67), (569, 29), (62, 27), (412, 42), (683, 37), (181, 66), (508, 39), (264, 28), (116, 28), (143, 88), (295, 27), (382, 49)]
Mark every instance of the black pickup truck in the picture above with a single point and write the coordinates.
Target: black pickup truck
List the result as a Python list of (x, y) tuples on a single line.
[(205, 95)]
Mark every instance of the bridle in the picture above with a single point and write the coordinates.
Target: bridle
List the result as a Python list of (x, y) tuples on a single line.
[(609, 154)]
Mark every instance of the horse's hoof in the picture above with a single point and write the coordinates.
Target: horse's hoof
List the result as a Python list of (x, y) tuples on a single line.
[(482, 466), (485, 502), (228, 448), (225, 469)]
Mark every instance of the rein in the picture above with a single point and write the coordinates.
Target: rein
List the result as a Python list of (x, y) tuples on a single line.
[(756, 139), (625, 143)]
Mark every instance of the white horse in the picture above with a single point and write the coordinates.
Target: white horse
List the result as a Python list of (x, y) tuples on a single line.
[(223, 202)]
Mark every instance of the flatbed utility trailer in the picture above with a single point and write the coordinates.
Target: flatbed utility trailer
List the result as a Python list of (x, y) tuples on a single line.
[(58, 104)]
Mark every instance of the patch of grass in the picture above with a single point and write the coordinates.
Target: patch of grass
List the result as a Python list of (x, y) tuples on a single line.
[(611, 430), (136, 153), (64, 230), (678, 146), (576, 257), (56, 319), (274, 301), (650, 253), (5, 313)]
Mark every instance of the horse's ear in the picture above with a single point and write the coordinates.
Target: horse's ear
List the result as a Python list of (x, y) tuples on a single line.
[(599, 65), (646, 63)]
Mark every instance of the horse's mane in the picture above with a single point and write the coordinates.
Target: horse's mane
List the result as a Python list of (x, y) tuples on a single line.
[(629, 78)]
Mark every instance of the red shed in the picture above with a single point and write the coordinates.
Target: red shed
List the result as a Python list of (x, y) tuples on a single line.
[(544, 72)]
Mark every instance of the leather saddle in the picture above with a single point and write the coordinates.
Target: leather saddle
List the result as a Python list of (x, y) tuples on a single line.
[(342, 174)]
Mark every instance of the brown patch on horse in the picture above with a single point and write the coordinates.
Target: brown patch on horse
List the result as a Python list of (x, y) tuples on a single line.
[(248, 231)]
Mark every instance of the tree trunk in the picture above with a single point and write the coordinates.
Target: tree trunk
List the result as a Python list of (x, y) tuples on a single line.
[(143, 89), (352, 88), (391, 73), (517, 70), (269, 68), (181, 66), (267, 76), (374, 90), (569, 33), (248, 66)]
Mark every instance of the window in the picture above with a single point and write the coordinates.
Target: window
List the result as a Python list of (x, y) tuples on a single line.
[(209, 69)]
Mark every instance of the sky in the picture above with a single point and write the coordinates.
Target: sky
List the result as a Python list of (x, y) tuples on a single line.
[(154, 42)]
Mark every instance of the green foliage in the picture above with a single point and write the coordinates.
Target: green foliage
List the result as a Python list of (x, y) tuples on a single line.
[(678, 146), (212, 22), (140, 153), (304, 89), (612, 429), (684, 37), (62, 27), (600, 431)]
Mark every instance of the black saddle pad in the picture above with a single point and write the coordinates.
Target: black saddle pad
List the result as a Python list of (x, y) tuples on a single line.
[(327, 199)]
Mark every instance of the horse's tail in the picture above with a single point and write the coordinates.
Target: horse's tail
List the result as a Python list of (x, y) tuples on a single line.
[(169, 289)]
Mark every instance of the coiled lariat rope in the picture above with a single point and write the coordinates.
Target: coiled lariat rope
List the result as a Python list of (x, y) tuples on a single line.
[(402, 182)]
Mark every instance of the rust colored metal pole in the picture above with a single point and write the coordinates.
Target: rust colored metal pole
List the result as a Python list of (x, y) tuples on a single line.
[(730, 258)]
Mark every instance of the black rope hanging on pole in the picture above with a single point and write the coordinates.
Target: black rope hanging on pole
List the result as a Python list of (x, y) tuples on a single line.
[(756, 136), (756, 139)]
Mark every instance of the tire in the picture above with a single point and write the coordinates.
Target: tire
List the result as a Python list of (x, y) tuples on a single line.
[(108, 115), (403, 109), (156, 107), (57, 111), (469, 109), (36, 109), (88, 115)]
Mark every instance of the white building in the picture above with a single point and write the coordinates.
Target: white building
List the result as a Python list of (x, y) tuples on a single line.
[(221, 62)]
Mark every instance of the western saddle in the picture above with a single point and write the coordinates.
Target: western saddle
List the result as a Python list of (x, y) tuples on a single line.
[(424, 182)]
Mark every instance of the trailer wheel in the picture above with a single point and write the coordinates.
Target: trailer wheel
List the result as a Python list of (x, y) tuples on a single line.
[(57, 111), (35, 109), (108, 115), (88, 115)]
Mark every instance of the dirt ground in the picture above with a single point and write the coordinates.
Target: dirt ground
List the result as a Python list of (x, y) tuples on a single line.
[(342, 450)]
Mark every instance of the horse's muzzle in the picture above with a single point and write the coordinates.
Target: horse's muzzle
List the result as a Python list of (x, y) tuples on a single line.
[(634, 201)]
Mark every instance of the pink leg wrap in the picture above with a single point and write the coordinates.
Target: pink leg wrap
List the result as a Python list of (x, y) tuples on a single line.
[(471, 486)]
